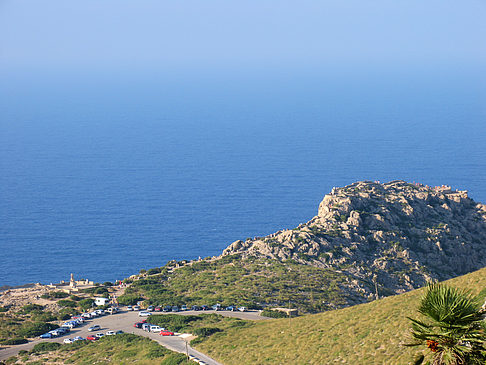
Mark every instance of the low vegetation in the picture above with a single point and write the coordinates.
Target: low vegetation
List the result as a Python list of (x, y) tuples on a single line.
[(370, 333), (120, 349), (250, 282), (31, 320)]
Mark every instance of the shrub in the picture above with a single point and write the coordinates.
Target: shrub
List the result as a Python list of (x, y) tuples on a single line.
[(44, 317), (67, 303), (156, 352), (32, 329), (14, 341), (45, 347), (174, 359), (153, 271), (206, 331), (86, 303), (108, 283), (100, 290), (128, 299), (32, 308), (274, 314), (63, 316)]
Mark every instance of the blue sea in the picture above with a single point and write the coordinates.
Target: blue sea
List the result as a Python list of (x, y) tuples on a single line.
[(103, 175)]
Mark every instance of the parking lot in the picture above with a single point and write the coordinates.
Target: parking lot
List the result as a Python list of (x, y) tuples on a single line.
[(124, 321)]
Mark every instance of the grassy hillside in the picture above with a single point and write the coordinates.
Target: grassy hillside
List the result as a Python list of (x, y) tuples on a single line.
[(250, 282), (370, 333), (119, 349)]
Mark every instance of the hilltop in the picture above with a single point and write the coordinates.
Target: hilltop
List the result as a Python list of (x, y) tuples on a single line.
[(397, 234), (367, 240)]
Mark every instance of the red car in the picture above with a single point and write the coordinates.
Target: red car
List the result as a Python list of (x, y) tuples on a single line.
[(138, 325), (166, 333), (92, 338)]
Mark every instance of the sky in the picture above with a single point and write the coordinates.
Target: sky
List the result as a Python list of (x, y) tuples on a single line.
[(228, 36)]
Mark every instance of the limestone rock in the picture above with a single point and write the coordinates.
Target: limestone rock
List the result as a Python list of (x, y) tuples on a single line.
[(402, 234)]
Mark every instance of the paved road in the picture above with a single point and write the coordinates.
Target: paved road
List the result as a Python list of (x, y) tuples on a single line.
[(124, 321)]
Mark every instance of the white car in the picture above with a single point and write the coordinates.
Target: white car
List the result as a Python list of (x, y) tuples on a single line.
[(99, 335), (94, 328), (136, 308), (110, 333), (144, 314), (242, 309), (68, 340), (156, 329)]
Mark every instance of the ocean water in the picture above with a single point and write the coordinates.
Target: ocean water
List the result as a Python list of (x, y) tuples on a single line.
[(102, 176)]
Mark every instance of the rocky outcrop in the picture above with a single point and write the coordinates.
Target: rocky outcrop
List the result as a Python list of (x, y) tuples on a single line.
[(394, 236)]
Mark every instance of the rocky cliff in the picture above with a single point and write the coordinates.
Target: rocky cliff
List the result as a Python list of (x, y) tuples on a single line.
[(390, 237)]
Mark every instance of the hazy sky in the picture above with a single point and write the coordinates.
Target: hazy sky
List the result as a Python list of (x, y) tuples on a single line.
[(237, 35)]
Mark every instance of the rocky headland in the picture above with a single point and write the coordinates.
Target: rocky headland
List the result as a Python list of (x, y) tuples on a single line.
[(386, 237)]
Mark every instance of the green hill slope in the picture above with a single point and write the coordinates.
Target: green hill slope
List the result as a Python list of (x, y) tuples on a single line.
[(370, 333)]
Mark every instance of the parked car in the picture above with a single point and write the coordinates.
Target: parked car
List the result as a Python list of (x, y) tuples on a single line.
[(242, 309), (86, 315), (183, 307), (110, 333), (47, 335), (166, 333), (150, 308), (129, 308), (196, 308), (68, 340), (146, 326), (112, 310), (158, 309), (94, 328), (78, 338), (216, 307), (100, 312), (92, 338), (119, 332), (204, 307), (93, 314), (156, 329), (167, 308), (144, 314), (175, 308), (136, 308), (69, 324), (138, 325), (99, 335), (231, 308), (56, 333)]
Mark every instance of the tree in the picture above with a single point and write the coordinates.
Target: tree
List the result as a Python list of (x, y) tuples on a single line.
[(453, 328)]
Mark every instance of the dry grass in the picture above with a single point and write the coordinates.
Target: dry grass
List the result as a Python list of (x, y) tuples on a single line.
[(371, 333)]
